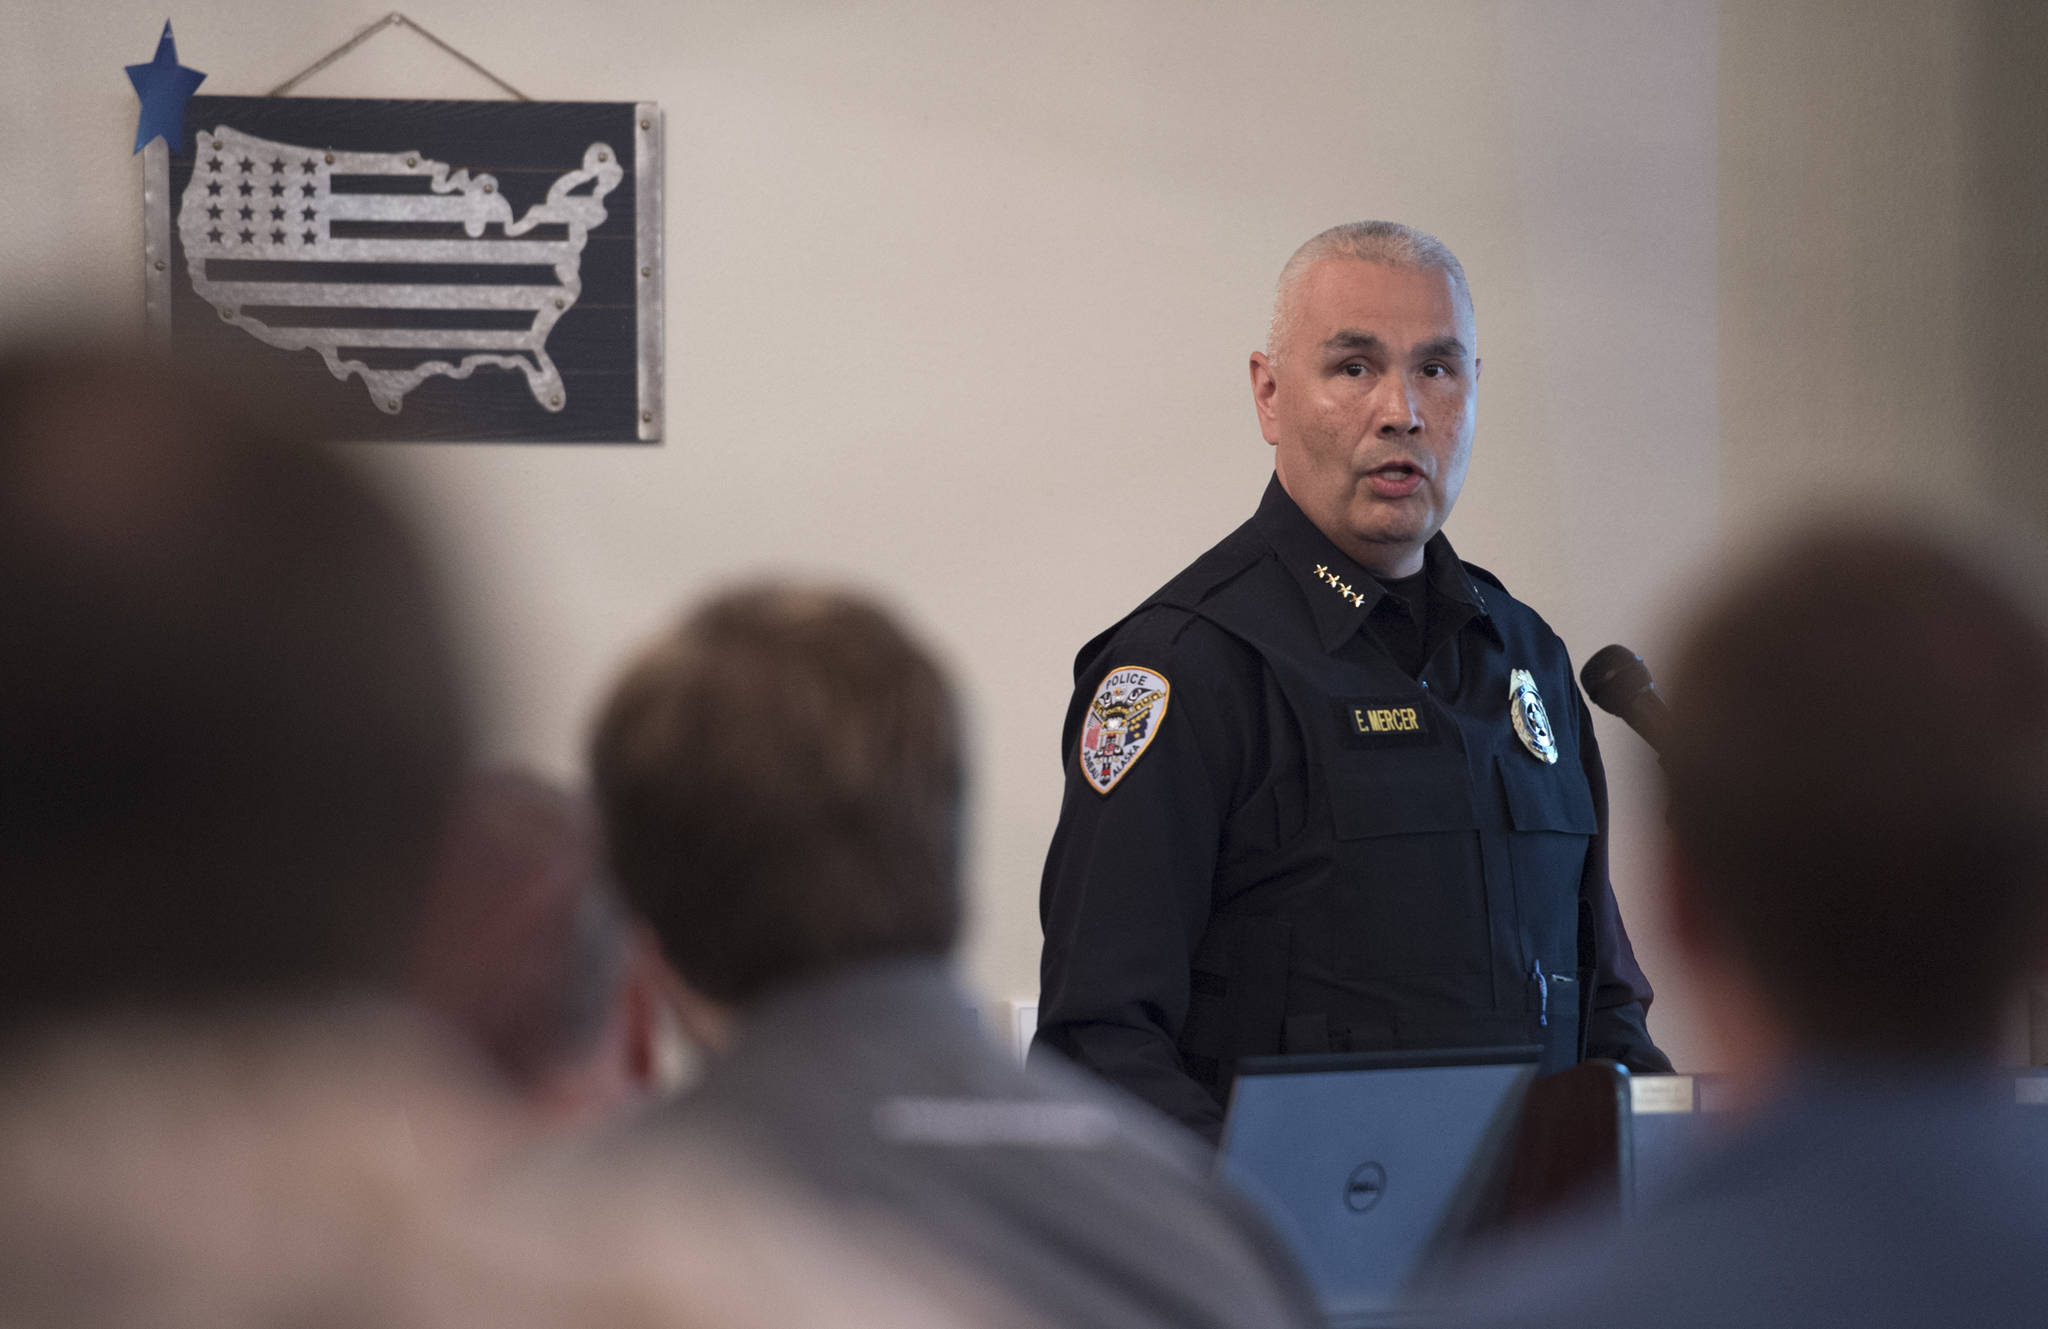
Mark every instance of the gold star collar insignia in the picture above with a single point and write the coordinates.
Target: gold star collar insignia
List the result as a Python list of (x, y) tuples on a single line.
[(1339, 585)]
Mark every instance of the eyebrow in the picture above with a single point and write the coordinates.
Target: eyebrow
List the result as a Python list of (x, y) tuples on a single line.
[(1351, 340), (1438, 348), (1442, 348)]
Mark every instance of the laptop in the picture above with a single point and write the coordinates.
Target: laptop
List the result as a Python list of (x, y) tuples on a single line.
[(1376, 1166)]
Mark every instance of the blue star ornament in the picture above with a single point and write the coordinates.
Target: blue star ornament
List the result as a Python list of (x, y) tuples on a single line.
[(164, 86)]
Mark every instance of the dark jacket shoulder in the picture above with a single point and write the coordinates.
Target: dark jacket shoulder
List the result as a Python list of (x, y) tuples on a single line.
[(1516, 619), (1166, 620), (1483, 575)]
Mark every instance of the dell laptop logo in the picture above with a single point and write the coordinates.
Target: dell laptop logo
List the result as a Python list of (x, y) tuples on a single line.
[(1364, 1187)]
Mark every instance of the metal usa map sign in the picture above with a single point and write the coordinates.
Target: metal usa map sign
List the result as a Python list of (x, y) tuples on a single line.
[(418, 269)]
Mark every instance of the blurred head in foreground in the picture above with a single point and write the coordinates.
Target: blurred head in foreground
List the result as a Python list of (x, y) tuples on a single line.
[(229, 746), (1859, 795), (781, 780), (229, 718), (529, 954)]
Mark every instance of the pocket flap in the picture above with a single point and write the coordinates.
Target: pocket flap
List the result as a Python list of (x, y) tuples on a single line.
[(1545, 797)]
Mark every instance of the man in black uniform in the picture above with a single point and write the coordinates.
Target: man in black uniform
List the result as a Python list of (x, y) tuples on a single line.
[(1330, 788)]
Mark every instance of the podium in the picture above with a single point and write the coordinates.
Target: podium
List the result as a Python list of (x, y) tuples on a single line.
[(1598, 1138)]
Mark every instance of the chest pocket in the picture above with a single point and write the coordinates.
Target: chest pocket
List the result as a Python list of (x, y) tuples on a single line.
[(1543, 797), (1408, 897), (1551, 811), (1400, 793)]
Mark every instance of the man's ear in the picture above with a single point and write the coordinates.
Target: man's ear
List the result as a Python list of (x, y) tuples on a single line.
[(705, 1022), (1265, 387)]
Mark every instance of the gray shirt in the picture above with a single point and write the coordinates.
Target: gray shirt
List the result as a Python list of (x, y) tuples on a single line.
[(1878, 1197), (877, 1090)]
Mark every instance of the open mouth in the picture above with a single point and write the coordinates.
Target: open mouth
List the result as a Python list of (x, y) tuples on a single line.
[(1396, 479)]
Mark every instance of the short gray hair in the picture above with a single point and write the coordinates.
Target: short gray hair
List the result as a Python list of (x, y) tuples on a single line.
[(1387, 243)]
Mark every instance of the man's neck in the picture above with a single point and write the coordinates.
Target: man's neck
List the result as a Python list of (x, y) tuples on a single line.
[(1385, 560), (1388, 562)]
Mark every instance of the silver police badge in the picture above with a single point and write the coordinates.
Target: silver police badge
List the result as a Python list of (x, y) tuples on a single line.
[(1531, 722)]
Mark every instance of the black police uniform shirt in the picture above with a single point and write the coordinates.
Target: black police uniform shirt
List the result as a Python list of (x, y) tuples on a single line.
[(1276, 839)]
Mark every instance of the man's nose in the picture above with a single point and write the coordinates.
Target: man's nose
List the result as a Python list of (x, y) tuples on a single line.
[(1396, 409)]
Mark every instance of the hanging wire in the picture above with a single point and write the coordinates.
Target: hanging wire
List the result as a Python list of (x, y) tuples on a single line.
[(392, 20)]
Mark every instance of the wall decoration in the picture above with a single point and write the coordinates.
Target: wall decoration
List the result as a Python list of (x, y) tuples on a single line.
[(163, 86), (419, 270)]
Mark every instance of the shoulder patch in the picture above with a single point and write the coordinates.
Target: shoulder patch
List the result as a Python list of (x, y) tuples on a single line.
[(1123, 719)]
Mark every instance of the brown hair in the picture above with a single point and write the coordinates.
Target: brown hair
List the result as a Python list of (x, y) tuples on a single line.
[(1859, 781), (781, 780), (230, 720)]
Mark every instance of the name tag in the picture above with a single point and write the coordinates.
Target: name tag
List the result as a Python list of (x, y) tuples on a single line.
[(1385, 721)]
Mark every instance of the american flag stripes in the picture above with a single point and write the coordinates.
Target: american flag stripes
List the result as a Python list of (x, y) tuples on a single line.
[(392, 266)]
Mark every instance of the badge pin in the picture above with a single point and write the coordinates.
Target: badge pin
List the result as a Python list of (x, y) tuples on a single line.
[(1122, 721), (1531, 721)]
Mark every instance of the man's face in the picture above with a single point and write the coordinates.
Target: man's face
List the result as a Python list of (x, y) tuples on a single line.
[(1370, 405)]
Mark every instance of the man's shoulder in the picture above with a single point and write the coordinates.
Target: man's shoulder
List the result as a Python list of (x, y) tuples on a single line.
[(1961, 1214), (1481, 574), (1230, 558), (1515, 618), (1177, 623), (1498, 599), (1012, 1170)]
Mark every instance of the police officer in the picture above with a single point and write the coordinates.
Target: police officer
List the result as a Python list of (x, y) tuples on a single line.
[(1331, 788)]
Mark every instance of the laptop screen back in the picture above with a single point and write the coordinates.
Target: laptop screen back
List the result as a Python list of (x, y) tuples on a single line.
[(1375, 1167)]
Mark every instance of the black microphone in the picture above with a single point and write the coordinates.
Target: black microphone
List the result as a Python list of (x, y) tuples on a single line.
[(1619, 683)]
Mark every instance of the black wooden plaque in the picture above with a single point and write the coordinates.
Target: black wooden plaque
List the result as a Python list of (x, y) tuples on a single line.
[(478, 271)]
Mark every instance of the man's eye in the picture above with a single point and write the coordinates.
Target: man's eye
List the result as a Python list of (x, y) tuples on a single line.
[(1354, 370), (1435, 370)]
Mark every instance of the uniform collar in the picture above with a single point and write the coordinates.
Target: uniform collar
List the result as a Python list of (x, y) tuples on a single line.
[(1340, 593)]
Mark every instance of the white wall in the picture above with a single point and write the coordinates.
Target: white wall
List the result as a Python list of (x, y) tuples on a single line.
[(960, 297)]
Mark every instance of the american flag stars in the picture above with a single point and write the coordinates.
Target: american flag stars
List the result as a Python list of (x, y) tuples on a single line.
[(289, 225)]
